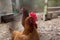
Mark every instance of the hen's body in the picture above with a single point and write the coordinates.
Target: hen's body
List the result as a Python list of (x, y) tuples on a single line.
[(30, 36)]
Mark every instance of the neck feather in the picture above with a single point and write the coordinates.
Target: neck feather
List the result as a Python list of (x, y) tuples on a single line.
[(28, 29)]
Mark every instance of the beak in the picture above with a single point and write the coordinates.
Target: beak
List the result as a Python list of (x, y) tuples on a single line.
[(21, 9)]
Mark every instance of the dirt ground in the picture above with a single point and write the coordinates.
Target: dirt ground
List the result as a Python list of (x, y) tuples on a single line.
[(48, 30)]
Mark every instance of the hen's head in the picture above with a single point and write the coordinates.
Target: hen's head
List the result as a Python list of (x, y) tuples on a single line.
[(24, 10), (32, 18)]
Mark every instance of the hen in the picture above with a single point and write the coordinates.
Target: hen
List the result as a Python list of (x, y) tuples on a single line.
[(29, 33)]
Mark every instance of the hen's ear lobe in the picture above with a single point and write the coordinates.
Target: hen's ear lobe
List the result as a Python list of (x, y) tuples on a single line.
[(31, 20)]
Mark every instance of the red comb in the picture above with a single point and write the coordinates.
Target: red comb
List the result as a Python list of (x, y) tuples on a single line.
[(33, 15)]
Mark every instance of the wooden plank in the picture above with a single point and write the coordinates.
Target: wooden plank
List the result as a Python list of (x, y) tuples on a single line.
[(53, 7), (54, 11), (45, 10)]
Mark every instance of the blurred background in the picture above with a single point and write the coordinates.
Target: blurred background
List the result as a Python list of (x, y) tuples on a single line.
[(32, 5)]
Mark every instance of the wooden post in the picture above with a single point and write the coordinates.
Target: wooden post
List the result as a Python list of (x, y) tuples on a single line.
[(45, 10)]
